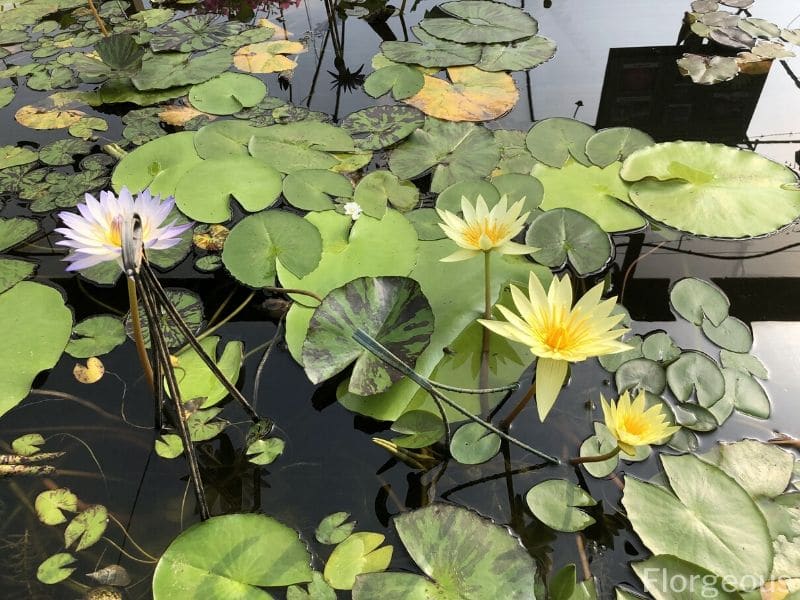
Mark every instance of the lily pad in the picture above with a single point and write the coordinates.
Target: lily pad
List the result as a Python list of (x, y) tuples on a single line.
[(300, 145), (390, 309), (334, 528), (602, 442), (195, 379), (473, 95), (172, 69), (224, 139), (227, 93), (520, 55), (96, 336), (731, 334), (204, 192), (480, 21), (27, 445), (267, 57), (454, 151), (707, 70), (265, 452), (612, 362), (420, 427), (657, 572), (62, 152), (553, 141), (86, 528), (462, 555), (402, 80), (431, 51), (694, 371), (641, 374), (257, 241), (712, 189), (746, 393), (697, 300), (692, 522), (189, 306), (659, 347), (565, 235), (35, 317), (359, 553), (12, 156), (616, 143), (229, 556), (313, 189), (194, 32), (450, 197), (746, 363), (15, 230), (378, 188), (50, 504), (473, 444), (56, 568), (557, 503), (377, 127)]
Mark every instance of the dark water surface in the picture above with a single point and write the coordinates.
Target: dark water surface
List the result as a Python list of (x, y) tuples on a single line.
[(329, 463)]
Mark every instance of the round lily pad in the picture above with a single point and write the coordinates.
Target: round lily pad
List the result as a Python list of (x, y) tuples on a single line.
[(712, 189), (205, 190), (402, 80), (96, 336), (377, 127), (473, 444), (642, 374), (378, 188), (517, 56), (480, 21), (553, 141), (227, 93), (616, 143), (697, 300), (450, 197), (563, 235), (694, 371), (312, 189), (731, 334), (431, 51), (557, 504)]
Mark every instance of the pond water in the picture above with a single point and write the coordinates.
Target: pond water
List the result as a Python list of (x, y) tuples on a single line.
[(614, 66)]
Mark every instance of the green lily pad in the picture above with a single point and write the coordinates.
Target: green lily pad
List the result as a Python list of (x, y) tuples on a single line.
[(694, 371), (602, 442), (50, 504), (172, 69), (565, 235), (450, 197), (6, 96), (761, 469), (195, 379), (120, 52), (462, 555), (14, 270), (258, 241), (420, 427), (402, 80), (86, 528), (641, 374), (317, 589), (379, 188), (659, 347), (431, 51), (96, 336), (300, 145), (62, 152), (189, 306), (224, 139), (616, 143), (227, 93), (514, 154), (313, 189), (426, 222), (557, 502), (393, 310), (378, 127), (473, 444), (519, 55), (169, 446), (334, 528), (11, 156), (158, 165), (359, 553), (697, 300), (712, 189), (695, 417), (35, 317), (747, 395), (479, 21), (553, 141), (746, 363), (56, 568), (454, 151), (265, 452), (228, 556), (193, 33), (598, 193), (692, 522), (657, 572), (516, 186), (27, 445), (204, 192), (731, 334)]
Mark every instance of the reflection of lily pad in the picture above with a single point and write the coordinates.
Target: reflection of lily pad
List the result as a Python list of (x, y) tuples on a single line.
[(707, 70), (712, 189), (481, 22), (565, 235), (390, 309), (473, 95), (381, 126)]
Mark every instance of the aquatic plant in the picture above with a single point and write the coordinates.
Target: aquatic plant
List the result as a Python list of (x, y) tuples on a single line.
[(632, 425)]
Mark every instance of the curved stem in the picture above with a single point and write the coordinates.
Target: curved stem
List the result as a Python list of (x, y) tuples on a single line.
[(137, 333), (98, 19), (579, 460), (130, 538), (509, 418), (230, 316), (280, 290)]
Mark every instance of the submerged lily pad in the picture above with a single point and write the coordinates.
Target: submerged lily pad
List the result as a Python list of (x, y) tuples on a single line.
[(462, 555), (231, 556), (712, 189), (480, 21), (390, 309)]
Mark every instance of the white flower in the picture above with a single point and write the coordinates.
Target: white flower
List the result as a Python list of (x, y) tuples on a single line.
[(95, 236), (353, 210)]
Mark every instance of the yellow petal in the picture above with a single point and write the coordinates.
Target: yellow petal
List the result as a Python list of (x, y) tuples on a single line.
[(461, 254), (550, 376)]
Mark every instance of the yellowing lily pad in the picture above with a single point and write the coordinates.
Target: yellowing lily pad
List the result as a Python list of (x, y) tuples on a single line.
[(38, 117), (92, 372), (267, 57), (473, 95)]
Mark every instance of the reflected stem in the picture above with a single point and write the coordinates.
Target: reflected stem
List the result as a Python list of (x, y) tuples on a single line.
[(98, 19), (137, 333), (520, 406), (579, 460), (487, 314), (130, 538)]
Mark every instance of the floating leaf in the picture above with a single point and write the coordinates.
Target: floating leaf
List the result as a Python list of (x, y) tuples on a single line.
[(11, 156), (6, 96), (334, 528), (56, 568), (564, 235), (172, 69), (377, 127), (189, 306), (358, 554), (659, 347), (13, 270), (203, 425), (227, 93), (454, 150), (378, 188), (120, 52), (257, 241), (227, 556), (96, 336), (746, 393), (426, 222), (473, 95), (318, 589), (86, 528), (616, 143), (420, 427), (193, 33), (393, 310), (312, 189), (471, 188), (554, 502), (205, 190), (707, 70), (697, 300), (657, 572), (480, 21), (62, 152), (169, 446), (92, 372), (602, 442), (224, 139), (50, 504), (517, 56), (431, 51), (553, 141), (473, 444), (264, 452), (402, 80), (39, 117), (694, 371), (761, 469), (746, 363), (693, 521), (514, 154), (195, 379), (462, 555), (35, 317), (711, 189), (300, 145), (641, 374), (731, 334), (267, 57), (27, 445)]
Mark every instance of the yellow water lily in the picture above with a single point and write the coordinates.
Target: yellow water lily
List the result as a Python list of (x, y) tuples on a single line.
[(634, 426), (483, 230), (558, 333)]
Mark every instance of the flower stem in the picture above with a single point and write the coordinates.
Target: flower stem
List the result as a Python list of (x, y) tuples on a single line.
[(593, 459), (509, 418), (137, 333), (487, 314), (98, 19)]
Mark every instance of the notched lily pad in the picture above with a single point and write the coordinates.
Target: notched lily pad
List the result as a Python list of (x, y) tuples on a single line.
[(557, 503)]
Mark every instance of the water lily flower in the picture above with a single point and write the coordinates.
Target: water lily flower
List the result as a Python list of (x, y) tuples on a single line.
[(95, 235), (558, 333), (632, 425), (483, 230), (353, 210)]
